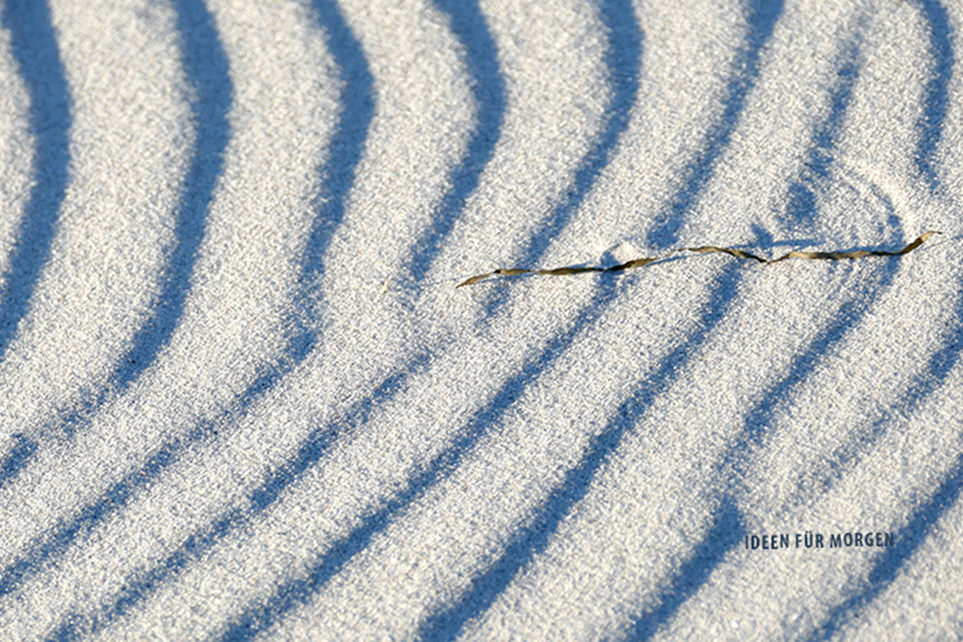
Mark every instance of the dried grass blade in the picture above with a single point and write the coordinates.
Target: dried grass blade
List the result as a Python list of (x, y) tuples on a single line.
[(704, 249)]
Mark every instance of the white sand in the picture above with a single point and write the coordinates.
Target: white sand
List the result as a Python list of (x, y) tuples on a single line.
[(240, 395)]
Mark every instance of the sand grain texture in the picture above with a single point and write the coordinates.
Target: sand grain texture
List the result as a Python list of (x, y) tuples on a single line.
[(242, 395)]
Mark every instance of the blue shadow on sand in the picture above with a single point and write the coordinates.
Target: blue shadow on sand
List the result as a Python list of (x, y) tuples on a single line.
[(761, 19), (623, 59), (34, 46), (802, 207), (488, 90), (205, 66), (891, 561), (530, 540), (347, 148), (936, 94), (23, 449), (725, 533)]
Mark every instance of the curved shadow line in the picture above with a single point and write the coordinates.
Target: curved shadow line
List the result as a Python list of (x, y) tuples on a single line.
[(762, 18), (15, 461), (298, 591), (936, 97), (347, 148), (888, 565), (34, 45), (725, 533), (802, 196), (759, 419), (532, 539), (623, 59), (912, 536), (348, 145), (141, 586), (488, 90), (802, 204), (206, 68)]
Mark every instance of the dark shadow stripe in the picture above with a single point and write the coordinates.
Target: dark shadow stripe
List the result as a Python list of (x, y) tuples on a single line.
[(34, 45), (347, 149), (259, 617), (889, 564), (936, 94), (761, 19), (206, 69), (758, 422), (64, 534), (143, 585), (532, 539), (488, 90), (17, 458), (726, 532), (623, 59), (211, 91), (802, 207)]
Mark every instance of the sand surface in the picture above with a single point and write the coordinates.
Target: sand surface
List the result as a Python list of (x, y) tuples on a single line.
[(242, 398)]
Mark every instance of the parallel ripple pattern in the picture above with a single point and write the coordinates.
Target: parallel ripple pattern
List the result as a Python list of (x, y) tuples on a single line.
[(241, 396)]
